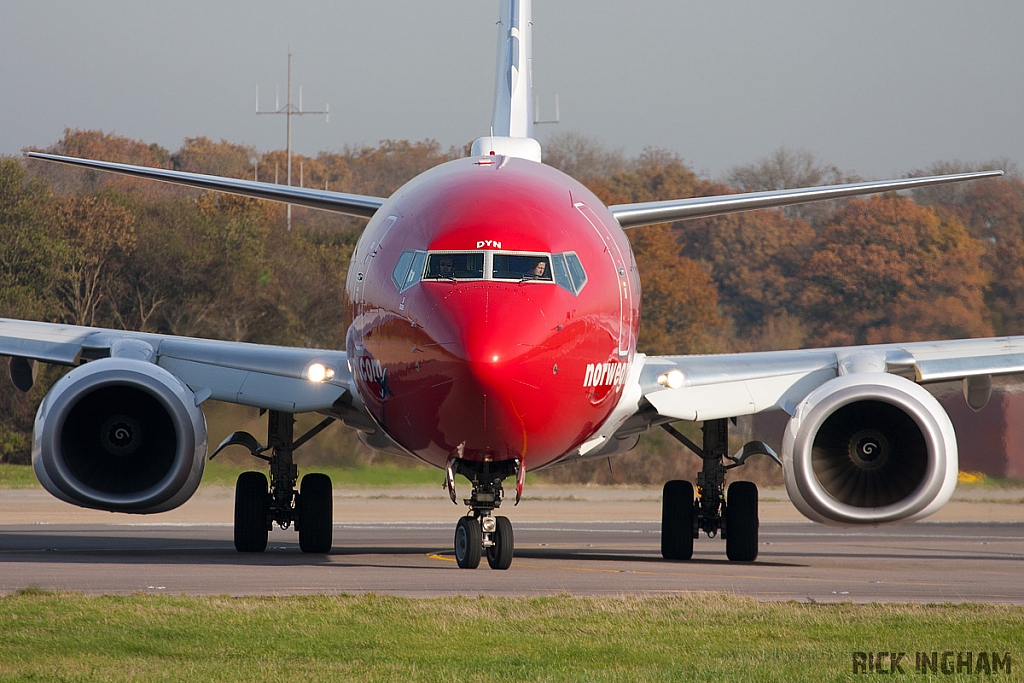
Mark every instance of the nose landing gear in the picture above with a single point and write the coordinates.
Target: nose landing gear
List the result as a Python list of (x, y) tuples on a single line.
[(481, 533)]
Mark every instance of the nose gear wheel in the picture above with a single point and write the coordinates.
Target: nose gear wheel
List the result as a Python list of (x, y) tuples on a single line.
[(481, 533)]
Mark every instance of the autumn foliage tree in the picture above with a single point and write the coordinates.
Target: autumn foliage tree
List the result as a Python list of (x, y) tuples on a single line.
[(755, 260), (680, 303), (993, 212), (29, 253), (887, 270), (202, 155), (98, 239)]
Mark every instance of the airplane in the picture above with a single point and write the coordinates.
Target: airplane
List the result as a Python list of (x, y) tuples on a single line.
[(493, 308)]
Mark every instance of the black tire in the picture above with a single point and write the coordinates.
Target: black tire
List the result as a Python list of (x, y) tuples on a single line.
[(741, 522), (468, 543), (499, 555), (316, 514), (677, 520), (252, 506)]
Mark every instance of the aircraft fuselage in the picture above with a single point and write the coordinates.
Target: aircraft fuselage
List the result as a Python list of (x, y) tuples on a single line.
[(494, 305)]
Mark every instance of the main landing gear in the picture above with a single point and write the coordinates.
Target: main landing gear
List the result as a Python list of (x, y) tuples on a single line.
[(481, 533), (258, 508), (734, 514)]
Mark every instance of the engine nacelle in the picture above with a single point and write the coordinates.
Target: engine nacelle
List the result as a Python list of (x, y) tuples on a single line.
[(120, 435), (869, 448)]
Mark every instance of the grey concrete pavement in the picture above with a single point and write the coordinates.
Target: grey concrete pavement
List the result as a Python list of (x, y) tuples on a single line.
[(578, 541)]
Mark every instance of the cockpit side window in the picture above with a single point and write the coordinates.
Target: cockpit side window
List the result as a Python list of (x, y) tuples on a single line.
[(568, 271), (401, 270), (457, 265), (561, 272), (522, 267), (409, 268), (576, 272)]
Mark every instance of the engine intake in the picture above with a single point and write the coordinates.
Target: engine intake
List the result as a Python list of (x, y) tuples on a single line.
[(121, 435), (869, 448)]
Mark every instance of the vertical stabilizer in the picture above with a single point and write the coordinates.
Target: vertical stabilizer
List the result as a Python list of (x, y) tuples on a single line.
[(512, 121), (513, 92)]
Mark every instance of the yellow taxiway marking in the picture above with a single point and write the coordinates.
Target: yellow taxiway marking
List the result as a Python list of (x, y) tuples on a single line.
[(440, 557)]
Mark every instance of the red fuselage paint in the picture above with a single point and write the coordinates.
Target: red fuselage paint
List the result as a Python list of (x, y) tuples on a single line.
[(491, 370)]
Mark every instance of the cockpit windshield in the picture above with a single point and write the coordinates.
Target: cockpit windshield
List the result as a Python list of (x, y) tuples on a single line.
[(456, 265), (522, 267), (564, 269)]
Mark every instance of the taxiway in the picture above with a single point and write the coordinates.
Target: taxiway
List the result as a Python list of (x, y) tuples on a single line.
[(565, 544)]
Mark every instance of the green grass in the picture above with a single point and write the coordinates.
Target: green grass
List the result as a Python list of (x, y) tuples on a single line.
[(706, 637), (17, 477), (225, 474), (218, 474), (976, 480)]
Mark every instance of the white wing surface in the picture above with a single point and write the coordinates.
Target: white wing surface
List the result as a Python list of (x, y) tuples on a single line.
[(262, 376), (730, 385)]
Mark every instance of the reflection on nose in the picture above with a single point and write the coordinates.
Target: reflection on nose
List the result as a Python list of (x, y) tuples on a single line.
[(494, 338)]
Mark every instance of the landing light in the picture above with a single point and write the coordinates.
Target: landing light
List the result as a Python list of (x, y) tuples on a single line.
[(673, 379), (317, 372)]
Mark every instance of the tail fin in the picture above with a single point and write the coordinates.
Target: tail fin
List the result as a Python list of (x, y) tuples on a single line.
[(512, 121), (513, 84)]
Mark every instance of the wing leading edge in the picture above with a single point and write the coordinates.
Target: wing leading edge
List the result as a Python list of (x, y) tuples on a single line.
[(362, 206), (730, 385), (651, 213), (262, 376)]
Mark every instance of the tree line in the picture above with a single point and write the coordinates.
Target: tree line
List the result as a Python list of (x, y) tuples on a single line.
[(92, 248)]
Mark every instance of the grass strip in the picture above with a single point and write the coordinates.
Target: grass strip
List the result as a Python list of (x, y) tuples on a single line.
[(369, 476), (17, 477), (218, 474), (707, 637), (225, 474)]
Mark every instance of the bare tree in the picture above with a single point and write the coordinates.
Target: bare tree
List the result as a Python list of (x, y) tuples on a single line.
[(583, 157), (786, 169)]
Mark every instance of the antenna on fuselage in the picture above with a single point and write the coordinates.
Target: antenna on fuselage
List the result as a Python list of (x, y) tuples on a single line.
[(289, 111), (536, 111)]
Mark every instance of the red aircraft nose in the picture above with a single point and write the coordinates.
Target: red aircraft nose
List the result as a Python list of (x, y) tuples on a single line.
[(499, 351)]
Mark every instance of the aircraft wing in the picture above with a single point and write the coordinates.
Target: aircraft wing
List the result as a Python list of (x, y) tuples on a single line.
[(628, 215), (268, 377), (362, 206), (650, 213), (730, 385)]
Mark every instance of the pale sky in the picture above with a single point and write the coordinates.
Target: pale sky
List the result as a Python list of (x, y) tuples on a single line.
[(876, 87)]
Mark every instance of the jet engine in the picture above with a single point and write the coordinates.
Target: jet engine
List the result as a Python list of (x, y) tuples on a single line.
[(121, 435), (869, 448)]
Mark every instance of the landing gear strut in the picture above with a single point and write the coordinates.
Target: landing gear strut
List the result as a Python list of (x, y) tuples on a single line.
[(481, 533), (257, 509), (713, 511)]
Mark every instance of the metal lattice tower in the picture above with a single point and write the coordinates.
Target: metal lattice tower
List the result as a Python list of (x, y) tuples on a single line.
[(289, 111)]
